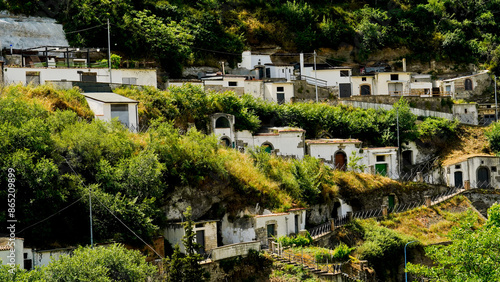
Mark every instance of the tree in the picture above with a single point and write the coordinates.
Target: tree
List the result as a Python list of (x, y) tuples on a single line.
[(187, 267), (472, 256), (106, 263)]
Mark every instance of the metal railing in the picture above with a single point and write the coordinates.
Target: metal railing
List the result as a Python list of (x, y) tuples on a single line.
[(314, 81)]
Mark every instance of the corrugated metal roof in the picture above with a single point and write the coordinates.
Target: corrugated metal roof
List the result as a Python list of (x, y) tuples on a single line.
[(109, 98)]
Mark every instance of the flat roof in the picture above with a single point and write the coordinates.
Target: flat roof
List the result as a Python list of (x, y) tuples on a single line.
[(333, 141), (465, 76), (108, 97), (465, 158)]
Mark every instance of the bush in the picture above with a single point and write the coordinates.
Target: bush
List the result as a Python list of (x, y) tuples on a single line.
[(493, 135), (297, 241), (342, 252)]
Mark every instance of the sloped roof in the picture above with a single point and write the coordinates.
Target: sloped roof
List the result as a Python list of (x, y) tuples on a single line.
[(109, 98), (27, 32)]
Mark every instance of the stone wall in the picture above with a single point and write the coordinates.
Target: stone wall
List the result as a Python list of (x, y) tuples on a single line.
[(234, 250), (482, 200), (304, 91)]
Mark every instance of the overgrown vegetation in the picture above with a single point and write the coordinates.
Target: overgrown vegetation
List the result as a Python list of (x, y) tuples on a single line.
[(177, 33), (472, 255)]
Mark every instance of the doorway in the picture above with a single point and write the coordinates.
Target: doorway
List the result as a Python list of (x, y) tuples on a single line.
[(483, 177), (459, 183), (341, 161)]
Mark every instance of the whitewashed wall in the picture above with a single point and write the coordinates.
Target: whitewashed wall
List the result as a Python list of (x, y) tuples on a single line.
[(327, 151), (18, 75), (469, 169), (18, 258), (384, 78)]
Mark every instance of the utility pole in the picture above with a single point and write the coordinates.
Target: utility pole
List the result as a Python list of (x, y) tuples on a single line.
[(399, 145), (496, 102), (406, 273), (109, 54), (316, 77), (90, 209)]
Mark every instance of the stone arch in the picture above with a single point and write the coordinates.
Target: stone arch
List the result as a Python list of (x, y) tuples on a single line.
[(268, 147), (222, 122), (365, 90)]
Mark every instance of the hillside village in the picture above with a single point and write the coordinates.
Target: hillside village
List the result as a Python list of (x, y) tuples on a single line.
[(402, 172)]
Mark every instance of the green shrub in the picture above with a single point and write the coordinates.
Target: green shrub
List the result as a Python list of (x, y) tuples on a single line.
[(297, 241), (342, 252), (493, 135)]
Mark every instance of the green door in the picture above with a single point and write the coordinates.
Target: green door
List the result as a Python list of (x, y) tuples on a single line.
[(381, 169), (391, 202)]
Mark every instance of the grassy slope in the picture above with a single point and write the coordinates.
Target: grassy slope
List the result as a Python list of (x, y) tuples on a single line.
[(429, 225)]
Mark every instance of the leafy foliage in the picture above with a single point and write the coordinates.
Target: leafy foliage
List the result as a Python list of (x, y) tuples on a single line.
[(472, 255), (298, 240), (493, 135)]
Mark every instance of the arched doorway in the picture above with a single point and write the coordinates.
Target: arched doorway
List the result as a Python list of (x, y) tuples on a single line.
[(341, 161), (483, 177), (365, 90), (268, 147), (225, 141), (459, 182), (468, 84), (222, 122)]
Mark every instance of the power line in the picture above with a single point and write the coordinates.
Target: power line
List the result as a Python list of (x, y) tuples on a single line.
[(71, 167), (85, 29), (52, 214), (128, 228)]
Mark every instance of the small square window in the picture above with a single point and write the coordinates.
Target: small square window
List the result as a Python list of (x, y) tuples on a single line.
[(363, 79), (493, 169), (232, 83), (458, 166), (280, 89), (380, 158), (199, 225), (344, 73), (394, 76)]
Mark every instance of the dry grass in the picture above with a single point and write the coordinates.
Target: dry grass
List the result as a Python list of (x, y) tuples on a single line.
[(430, 225), (471, 140), (242, 168)]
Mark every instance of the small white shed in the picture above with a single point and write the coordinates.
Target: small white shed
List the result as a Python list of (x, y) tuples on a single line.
[(107, 106)]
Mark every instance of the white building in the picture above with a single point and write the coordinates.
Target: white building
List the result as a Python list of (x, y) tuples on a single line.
[(363, 85), (336, 152), (206, 235), (107, 106), (383, 160), (421, 85), (36, 76), (12, 251), (393, 83), (480, 170), (263, 227), (285, 71), (282, 141), (249, 60)]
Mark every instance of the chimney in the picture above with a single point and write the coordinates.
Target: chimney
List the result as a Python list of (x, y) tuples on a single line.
[(404, 64)]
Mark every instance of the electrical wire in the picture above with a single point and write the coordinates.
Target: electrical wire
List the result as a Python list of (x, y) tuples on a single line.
[(52, 214), (85, 29), (129, 229)]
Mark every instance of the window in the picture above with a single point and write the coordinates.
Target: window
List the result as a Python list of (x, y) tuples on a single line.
[(380, 158), (120, 111), (222, 122), (394, 76), (468, 84), (363, 79), (232, 83), (280, 89), (129, 80), (458, 166), (465, 110), (344, 73), (493, 169)]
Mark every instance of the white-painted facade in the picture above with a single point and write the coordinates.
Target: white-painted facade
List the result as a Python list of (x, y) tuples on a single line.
[(279, 71), (144, 77), (225, 81), (222, 126), (44, 257), (249, 60), (334, 151), (11, 251), (280, 92), (366, 82), (255, 228), (480, 170), (393, 83), (343, 209), (104, 106), (382, 160), (333, 76), (282, 141), (208, 229)]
